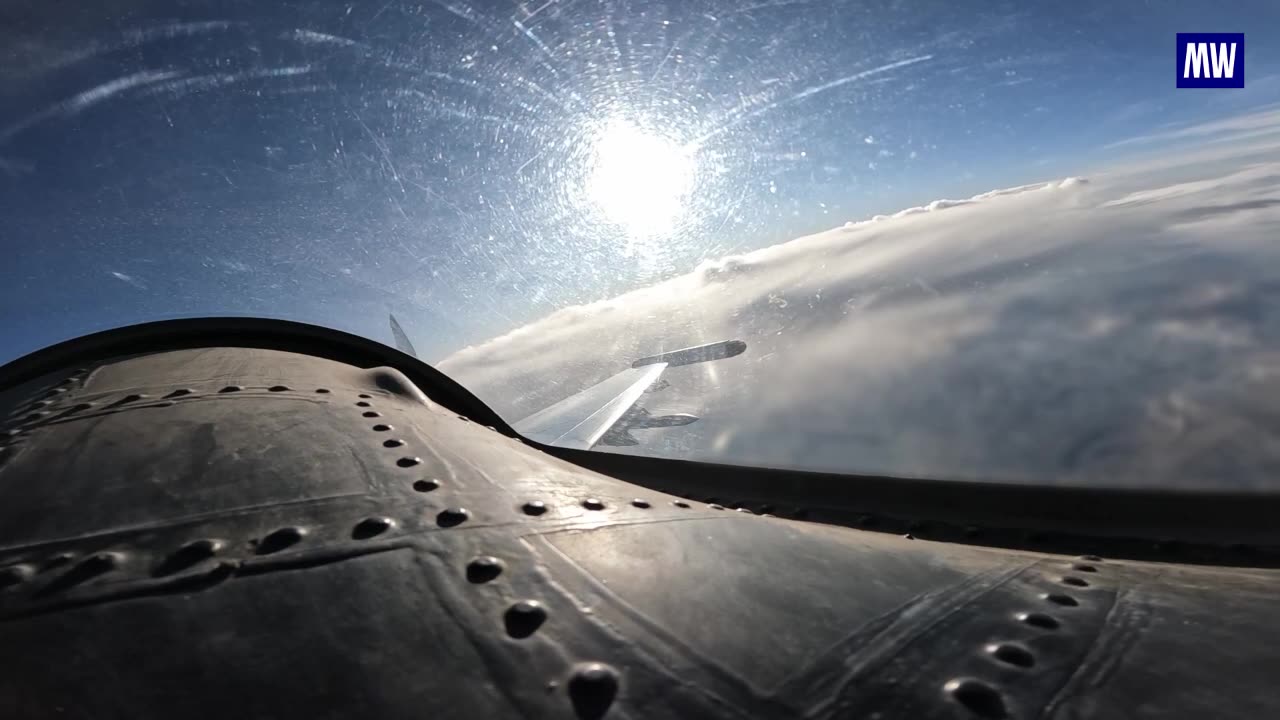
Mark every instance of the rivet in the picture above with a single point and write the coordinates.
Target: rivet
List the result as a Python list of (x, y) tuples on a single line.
[(744, 510), (979, 697), (393, 443), (1074, 581), (81, 406), (88, 569), (1012, 654), (452, 517), (484, 569), (408, 462), (382, 428), (132, 397), (524, 618), (278, 388), (1061, 599), (534, 507), (680, 504), (58, 390), (231, 389), (362, 403), (908, 536), (15, 575), (592, 688), (1091, 558), (58, 560), (280, 539), (190, 554), (593, 504), (36, 415), (180, 392), (102, 562), (716, 506), (371, 414), (425, 485), (323, 391), (364, 396), (1038, 620), (204, 546), (1081, 567), (642, 504), (371, 527)]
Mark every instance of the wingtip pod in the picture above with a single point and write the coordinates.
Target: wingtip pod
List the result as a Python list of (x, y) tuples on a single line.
[(696, 354)]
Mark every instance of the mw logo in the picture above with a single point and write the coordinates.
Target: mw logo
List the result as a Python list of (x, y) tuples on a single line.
[(1210, 60), (1206, 58)]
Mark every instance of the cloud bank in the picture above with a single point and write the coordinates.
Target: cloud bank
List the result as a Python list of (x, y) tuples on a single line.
[(1117, 331)]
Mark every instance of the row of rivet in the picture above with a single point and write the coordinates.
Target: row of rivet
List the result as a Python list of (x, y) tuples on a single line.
[(449, 517), (591, 686), (37, 410), (283, 538), (982, 698)]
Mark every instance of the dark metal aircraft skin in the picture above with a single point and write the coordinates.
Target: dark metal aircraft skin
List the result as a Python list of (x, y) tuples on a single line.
[(256, 519)]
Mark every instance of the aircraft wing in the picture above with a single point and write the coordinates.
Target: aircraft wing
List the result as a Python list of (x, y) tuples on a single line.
[(580, 420)]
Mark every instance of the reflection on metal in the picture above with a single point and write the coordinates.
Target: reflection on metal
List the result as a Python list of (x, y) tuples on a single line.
[(580, 420)]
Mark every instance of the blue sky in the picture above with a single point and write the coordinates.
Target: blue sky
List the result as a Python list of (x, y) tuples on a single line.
[(331, 162)]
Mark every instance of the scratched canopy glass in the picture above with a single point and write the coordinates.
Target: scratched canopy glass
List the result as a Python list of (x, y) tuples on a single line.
[(959, 240)]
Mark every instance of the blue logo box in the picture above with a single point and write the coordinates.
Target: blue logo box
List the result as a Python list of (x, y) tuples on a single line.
[(1210, 60)]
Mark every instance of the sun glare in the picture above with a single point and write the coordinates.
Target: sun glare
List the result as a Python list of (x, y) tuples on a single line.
[(639, 180)]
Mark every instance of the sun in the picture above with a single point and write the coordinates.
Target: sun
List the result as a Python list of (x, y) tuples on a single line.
[(638, 179)]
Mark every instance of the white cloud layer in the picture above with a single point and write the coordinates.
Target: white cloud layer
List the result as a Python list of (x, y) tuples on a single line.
[(1118, 331)]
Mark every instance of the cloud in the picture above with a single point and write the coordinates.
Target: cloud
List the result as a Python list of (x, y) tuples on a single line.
[(1261, 121), (1119, 331)]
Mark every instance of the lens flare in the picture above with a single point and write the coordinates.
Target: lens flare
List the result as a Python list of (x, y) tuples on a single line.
[(638, 179)]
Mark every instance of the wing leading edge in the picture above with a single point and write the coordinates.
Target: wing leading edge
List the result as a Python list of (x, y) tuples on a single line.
[(606, 412), (579, 421)]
